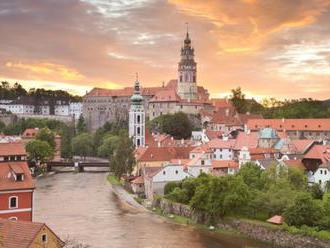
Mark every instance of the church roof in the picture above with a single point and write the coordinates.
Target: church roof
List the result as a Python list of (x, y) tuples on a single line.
[(166, 96)]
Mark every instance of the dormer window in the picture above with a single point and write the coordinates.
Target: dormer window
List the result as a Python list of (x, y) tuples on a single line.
[(19, 177)]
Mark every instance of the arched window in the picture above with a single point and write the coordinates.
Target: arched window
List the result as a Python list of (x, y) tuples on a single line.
[(138, 119), (14, 218), (13, 202), (138, 142), (138, 130)]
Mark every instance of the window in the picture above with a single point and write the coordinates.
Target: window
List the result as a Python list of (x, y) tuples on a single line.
[(320, 181), (138, 130), (164, 172), (19, 177), (203, 162), (321, 172), (138, 119), (138, 143), (325, 172), (13, 202), (44, 238), (176, 172), (14, 218)]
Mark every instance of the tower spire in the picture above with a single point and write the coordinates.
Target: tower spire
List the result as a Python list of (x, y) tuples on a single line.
[(187, 25)]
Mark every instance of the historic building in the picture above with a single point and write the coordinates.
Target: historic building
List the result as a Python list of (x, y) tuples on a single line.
[(187, 72), (182, 94), (137, 117)]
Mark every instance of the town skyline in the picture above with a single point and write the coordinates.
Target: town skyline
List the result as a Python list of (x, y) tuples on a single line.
[(267, 48)]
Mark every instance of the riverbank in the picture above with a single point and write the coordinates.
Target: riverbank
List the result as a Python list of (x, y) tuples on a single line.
[(274, 235)]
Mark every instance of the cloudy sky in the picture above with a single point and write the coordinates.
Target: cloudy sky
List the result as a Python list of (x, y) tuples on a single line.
[(276, 48)]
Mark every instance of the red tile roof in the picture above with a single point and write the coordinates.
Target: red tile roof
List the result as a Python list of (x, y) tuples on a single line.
[(138, 180), (11, 149), (213, 134), (20, 234), (248, 140), (222, 164), (128, 91), (321, 152), (276, 219), (166, 96), (222, 103), (295, 164), (7, 181), (220, 143), (290, 124), (165, 153), (302, 145), (244, 118)]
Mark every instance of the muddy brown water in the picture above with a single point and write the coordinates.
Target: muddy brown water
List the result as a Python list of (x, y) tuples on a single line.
[(82, 206)]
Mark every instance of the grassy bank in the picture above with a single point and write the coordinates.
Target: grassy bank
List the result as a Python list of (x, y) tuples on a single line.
[(187, 221), (114, 180)]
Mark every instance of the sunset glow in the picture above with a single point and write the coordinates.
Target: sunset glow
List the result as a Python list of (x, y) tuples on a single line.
[(270, 48)]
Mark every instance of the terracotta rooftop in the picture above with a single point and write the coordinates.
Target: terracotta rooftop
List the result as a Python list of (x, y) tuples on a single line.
[(138, 180), (128, 91), (276, 219), (222, 103), (220, 143), (290, 124), (11, 149), (321, 152), (165, 153), (222, 164), (7, 181), (19, 234), (213, 134), (166, 95), (248, 140)]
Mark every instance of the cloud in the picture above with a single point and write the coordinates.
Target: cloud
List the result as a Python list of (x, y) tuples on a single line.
[(48, 70)]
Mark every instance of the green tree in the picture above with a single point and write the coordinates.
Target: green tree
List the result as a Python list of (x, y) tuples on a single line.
[(238, 99), (81, 125), (303, 211), (82, 145), (316, 191), (46, 135), (109, 145), (2, 126), (251, 175), (178, 125), (39, 151), (123, 159), (297, 179)]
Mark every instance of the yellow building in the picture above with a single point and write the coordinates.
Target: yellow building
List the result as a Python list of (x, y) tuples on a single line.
[(24, 234)]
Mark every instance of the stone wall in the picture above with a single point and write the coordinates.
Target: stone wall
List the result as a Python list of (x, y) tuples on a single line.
[(277, 237)]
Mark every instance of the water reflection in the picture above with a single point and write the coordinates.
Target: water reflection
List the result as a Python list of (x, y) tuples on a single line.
[(82, 206)]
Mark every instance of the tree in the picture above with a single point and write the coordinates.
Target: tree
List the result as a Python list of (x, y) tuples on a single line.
[(238, 99), (39, 151), (178, 125), (67, 133), (297, 179), (46, 135), (251, 175), (303, 211), (82, 145), (316, 191), (109, 145), (2, 126), (123, 158), (81, 125)]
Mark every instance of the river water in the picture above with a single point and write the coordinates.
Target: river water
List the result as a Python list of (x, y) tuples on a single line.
[(82, 206)]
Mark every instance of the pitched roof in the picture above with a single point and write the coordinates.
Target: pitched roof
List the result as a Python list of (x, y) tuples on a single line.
[(295, 163), (128, 91), (166, 96), (165, 153), (248, 140), (20, 234), (276, 219), (245, 117), (7, 181), (11, 149), (302, 145), (220, 143), (213, 134), (321, 152), (201, 149), (290, 124), (222, 164), (138, 180), (222, 103)]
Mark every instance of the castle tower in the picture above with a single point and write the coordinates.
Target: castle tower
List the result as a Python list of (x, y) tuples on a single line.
[(187, 71), (137, 117)]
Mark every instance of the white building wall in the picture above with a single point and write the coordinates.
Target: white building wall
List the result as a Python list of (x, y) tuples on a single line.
[(223, 154), (171, 173), (322, 176), (62, 110)]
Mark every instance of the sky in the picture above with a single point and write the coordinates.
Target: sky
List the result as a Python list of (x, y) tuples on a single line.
[(278, 48)]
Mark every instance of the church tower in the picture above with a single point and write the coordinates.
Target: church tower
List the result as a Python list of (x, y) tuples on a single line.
[(187, 71), (137, 117)]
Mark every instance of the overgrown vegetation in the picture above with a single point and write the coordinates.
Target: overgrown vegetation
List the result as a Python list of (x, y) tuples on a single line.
[(16, 90), (256, 194), (272, 108), (178, 125)]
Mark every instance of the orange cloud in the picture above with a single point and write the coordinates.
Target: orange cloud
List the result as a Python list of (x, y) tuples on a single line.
[(47, 69), (243, 25)]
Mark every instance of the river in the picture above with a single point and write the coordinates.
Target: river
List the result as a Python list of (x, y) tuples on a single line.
[(82, 206)]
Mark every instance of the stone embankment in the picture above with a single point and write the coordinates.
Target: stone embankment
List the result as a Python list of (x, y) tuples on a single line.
[(276, 236)]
